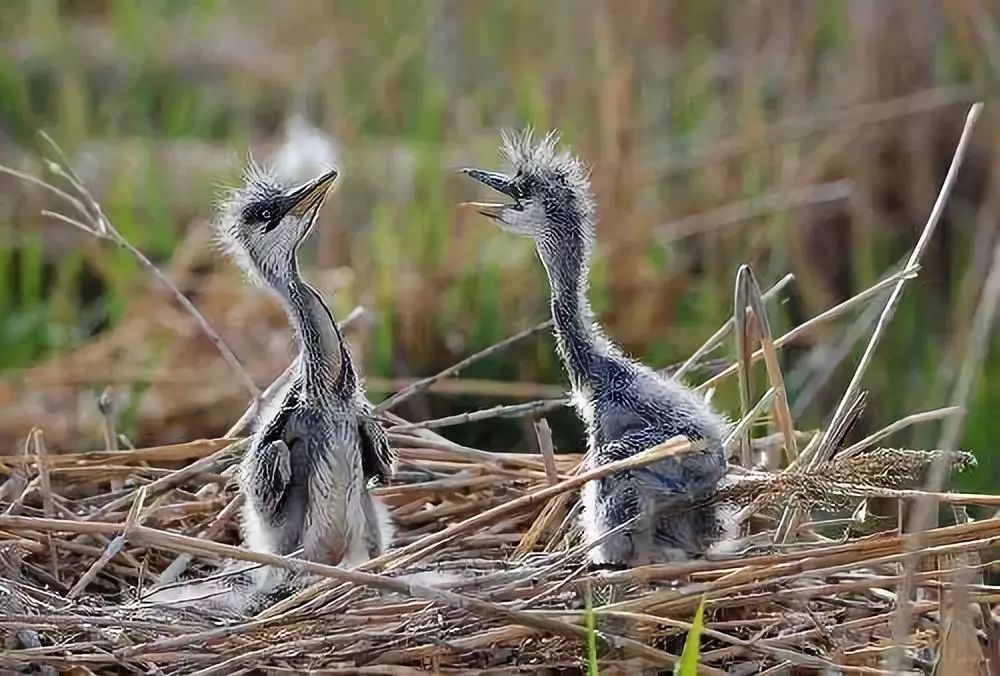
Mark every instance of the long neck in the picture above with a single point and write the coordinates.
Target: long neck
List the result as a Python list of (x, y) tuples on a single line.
[(578, 342), (323, 355)]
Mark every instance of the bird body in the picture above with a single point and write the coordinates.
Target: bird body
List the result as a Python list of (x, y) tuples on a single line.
[(627, 407), (305, 475), (305, 484)]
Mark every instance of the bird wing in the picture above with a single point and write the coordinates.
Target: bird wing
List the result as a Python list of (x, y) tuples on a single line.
[(664, 476), (377, 456), (692, 476), (268, 473)]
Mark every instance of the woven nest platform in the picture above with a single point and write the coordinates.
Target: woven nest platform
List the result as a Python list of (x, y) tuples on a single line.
[(500, 529)]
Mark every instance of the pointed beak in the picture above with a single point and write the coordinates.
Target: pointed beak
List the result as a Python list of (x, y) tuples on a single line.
[(499, 182), (489, 209), (495, 180), (310, 196)]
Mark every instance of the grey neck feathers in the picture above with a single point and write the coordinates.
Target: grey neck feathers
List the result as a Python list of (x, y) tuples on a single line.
[(579, 343), (323, 355)]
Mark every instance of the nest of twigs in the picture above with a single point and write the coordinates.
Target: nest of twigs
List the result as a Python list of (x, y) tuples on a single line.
[(820, 580), (75, 565)]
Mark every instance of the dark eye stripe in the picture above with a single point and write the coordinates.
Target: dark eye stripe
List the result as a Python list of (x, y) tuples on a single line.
[(271, 224), (267, 213)]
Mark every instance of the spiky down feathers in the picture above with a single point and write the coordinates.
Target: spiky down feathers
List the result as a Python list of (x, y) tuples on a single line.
[(626, 406)]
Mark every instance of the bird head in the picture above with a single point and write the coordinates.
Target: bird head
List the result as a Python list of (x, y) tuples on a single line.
[(548, 189), (261, 223)]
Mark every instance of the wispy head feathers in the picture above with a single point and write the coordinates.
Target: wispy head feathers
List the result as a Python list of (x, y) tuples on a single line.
[(231, 237), (546, 162)]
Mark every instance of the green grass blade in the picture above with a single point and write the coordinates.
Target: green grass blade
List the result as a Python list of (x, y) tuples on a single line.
[(688, 666), (592, 669)]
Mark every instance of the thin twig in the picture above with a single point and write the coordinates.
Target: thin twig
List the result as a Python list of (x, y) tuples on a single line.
[(503, 411), (113, 548), (106, 405), (28, 178), (421, 385), (97, 224), (37, 441)]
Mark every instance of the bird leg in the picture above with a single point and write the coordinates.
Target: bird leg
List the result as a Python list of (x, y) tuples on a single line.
[(378, 527)]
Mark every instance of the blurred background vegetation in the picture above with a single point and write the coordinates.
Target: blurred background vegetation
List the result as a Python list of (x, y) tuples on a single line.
[(803, 136)]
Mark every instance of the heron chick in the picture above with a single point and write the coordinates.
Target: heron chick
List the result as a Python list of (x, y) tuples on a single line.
[(307, 471), (626, 406)]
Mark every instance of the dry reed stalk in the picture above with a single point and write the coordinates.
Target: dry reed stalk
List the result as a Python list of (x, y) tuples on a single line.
[(826, 447), (410, 553), (114, 547), (106, 405), (825, 316), (173, 452), (544, 435), (743, 374), (723, 332), (902, 423), (167, 482), (749, 303), (456, 387), (825, 450), (924, 507), (37, 442)]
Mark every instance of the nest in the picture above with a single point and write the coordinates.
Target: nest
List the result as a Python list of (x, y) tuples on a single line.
[(511, 583)]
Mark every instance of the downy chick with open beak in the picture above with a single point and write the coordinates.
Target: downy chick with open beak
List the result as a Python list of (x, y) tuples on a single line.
[(307, 471), (626, 406)]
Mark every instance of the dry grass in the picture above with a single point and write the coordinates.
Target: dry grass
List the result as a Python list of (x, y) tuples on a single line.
[(812, 603)]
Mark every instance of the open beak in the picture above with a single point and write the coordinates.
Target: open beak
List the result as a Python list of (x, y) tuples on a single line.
[(499, 182), (491, 209), (311, 195)]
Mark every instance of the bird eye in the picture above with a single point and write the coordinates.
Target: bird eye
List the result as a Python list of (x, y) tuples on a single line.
[(265, 214)]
